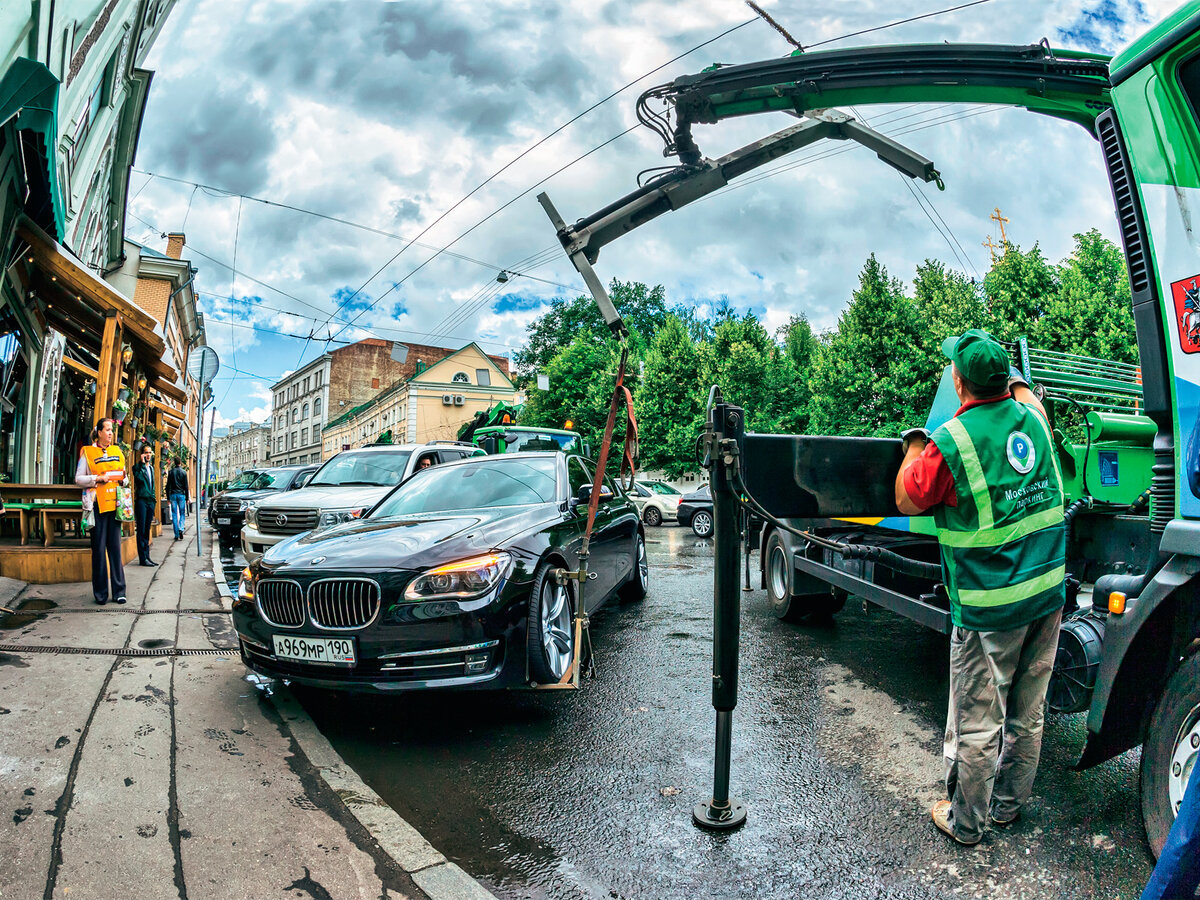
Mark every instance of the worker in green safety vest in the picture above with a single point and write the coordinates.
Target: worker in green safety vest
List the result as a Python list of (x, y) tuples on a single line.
[(991, 479)]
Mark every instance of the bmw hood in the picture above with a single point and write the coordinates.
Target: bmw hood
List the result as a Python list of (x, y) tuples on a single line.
[(409, 542)]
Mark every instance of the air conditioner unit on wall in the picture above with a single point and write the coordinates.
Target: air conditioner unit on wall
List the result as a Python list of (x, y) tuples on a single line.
[(447, 399), (459, 400)]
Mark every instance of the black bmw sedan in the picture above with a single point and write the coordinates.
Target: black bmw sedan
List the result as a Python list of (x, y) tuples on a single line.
[(448, 582)]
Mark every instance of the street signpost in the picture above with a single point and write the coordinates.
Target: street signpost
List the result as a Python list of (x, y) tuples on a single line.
[(202, 366)]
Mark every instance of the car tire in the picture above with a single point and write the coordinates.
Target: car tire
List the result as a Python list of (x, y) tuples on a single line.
[(787, 606), (1169, 749), (652, 516), (702, 523), (550, 630), (635, 588)]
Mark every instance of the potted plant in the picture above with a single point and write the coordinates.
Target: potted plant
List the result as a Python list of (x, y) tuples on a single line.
[(124, 394), (120, 410)]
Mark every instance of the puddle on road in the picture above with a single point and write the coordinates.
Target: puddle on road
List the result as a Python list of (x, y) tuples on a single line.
[(28, 612)]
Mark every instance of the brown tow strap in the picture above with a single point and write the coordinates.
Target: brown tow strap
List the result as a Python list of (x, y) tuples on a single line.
[(621, 395)]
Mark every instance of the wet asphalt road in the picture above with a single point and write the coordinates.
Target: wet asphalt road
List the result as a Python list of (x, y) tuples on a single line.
[(836, 752)]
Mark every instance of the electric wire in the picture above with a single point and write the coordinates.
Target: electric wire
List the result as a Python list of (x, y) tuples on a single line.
[(486, 218), (537, 144), (928, 15)]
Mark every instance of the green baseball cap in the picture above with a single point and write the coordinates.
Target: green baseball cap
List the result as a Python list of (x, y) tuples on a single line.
[(978, 357)]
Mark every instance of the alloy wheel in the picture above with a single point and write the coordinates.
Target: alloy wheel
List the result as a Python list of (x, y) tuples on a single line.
[(557, 642)]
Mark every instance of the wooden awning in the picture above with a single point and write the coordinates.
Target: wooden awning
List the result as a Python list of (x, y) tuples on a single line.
[(78, 301)]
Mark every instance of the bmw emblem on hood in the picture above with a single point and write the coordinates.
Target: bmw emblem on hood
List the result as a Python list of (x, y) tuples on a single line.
[(316, 560)]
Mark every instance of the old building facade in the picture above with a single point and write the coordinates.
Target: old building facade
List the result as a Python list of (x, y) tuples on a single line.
[(431, 404), (245, 446), (336, 382)]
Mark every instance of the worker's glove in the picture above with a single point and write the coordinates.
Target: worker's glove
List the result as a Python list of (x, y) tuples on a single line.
[(911, 433), (1015, 378)]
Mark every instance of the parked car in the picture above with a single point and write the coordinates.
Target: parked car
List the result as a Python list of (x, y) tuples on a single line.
[(448, 582), (344, 488), (240, 482), (657, 501), (696, 510), (227, 511)]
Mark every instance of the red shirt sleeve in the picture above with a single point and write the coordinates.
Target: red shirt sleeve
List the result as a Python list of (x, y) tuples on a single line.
[(928, 481)]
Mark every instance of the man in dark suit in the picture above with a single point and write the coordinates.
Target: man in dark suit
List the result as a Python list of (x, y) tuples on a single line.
[(144, 500)]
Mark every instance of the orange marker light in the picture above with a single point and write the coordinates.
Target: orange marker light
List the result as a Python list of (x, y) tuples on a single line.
[(1116, 603)]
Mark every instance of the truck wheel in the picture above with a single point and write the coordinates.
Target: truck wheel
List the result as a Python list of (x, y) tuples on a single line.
[(652, 516), (785, 605), (1171, 751)]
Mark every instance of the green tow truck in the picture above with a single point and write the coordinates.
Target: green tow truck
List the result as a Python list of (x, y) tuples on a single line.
[(1129, 651), (496, 432)]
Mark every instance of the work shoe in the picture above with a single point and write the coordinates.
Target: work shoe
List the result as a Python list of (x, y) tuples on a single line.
[(941, 818), (1004, 823)]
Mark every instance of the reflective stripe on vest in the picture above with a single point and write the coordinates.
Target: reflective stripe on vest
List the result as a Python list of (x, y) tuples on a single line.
[(1001, 576)]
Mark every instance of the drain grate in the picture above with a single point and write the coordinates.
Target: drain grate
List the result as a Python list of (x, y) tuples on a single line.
[(117, 651)]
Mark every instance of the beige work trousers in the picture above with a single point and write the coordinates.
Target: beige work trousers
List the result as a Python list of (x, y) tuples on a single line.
[(998, 683)]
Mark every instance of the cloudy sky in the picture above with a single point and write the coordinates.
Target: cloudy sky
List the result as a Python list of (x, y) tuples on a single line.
[(304, 143)]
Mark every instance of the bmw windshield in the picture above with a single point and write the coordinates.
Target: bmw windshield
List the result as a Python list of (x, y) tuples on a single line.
[(497, 482)]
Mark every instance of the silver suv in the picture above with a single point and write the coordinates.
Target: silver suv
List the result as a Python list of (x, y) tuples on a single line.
[(344, 488)]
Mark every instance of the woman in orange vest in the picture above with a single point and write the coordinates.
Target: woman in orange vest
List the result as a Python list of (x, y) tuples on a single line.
[(102, 467)]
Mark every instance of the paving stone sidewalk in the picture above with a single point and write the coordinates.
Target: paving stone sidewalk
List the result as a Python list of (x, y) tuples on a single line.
[(137, 760)]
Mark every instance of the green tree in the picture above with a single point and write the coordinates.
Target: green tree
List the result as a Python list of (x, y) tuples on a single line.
[(582, 377), (1091, 313), (872, 376), (1018, 287), (670, 401), (752, 372), (644, 310)]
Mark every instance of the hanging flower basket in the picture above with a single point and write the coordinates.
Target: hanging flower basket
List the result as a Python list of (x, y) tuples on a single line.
[(120, 410), (124, 394)]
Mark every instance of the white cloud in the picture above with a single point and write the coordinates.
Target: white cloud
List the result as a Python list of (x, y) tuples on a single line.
[(389, 116)]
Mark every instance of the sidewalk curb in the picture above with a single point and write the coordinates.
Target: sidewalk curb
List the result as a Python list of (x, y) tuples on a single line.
[(219, 571), (439, 878)]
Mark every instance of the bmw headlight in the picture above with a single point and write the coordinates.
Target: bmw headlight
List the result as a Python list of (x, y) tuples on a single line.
[(331, 517), (252, 515), (246, 585), (460, 580)]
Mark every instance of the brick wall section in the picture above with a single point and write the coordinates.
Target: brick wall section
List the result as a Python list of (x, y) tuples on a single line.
[(361, 370), (151, 295), (175, 244)]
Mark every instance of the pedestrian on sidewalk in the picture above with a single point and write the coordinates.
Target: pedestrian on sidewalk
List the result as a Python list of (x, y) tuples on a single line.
[(102, 467), (144, 501), (991, 479), (177, 488)]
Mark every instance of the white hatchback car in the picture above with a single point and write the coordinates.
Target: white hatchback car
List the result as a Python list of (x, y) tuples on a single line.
[(344, 488), (657, 501)]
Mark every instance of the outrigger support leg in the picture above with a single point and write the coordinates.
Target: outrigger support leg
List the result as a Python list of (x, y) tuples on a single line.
[(726, 426)]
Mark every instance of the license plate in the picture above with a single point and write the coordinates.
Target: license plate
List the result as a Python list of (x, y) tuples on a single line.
[(322, 651), (221, 521)]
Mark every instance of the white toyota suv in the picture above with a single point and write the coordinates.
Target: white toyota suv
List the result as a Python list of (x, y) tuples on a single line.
[(344, 488)]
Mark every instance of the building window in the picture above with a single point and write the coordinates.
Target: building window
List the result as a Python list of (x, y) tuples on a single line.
[(374, 383), (483, 377), (316, 431), (303, 436), (295, 414), (306, 387), (461, 378), (305, 413), (293, 444), (317, 408)]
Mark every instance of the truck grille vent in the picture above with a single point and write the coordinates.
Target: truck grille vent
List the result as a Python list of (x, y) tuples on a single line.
[(343, 603), (281, 603), (1129, 214)]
